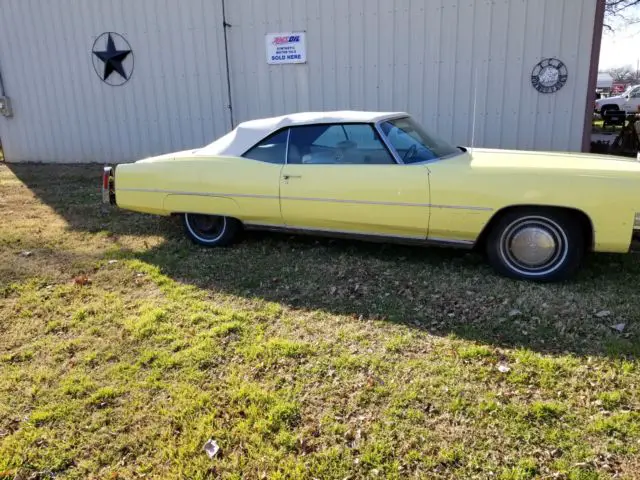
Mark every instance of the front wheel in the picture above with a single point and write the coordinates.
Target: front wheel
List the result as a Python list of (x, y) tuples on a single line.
[(543, 246), (210, 230)]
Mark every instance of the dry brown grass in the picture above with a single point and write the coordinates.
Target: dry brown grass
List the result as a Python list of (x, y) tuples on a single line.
[(303, 358)]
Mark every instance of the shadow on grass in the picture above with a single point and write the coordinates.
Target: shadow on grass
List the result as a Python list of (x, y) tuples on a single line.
[(441, 291)]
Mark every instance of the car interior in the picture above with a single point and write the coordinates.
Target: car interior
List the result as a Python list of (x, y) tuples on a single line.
[(356, 144), (351, 144)]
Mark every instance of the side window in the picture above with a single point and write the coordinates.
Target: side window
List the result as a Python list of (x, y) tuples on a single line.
[(331, 137), (401, 139), (635, 93), (349, 143), (272, 149)]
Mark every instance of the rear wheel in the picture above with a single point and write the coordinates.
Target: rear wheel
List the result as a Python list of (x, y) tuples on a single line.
[(210, 230), (538, 245), (608, 110)]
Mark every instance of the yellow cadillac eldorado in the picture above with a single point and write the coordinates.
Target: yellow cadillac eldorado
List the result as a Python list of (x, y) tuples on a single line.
[(382, 176)]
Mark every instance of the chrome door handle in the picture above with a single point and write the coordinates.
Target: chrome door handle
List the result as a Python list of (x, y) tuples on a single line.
[(287, 177)]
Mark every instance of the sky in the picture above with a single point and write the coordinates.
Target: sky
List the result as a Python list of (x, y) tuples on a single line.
[(622, 46)]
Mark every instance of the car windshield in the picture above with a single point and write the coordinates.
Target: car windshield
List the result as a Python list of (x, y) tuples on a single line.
[(413, 143)]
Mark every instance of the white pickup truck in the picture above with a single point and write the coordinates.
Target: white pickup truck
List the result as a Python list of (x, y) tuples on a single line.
[(628, 102)]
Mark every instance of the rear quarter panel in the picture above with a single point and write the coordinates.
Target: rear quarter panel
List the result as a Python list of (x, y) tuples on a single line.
[(230, 186), (609, 198)]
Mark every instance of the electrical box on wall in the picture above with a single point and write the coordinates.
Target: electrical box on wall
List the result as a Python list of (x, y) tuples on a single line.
[(5, 107)]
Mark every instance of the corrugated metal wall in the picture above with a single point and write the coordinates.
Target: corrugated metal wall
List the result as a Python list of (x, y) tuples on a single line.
[(441, 60), (176, 97), (431, 58)]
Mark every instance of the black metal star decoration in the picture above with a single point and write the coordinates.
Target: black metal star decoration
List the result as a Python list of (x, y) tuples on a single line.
[(112, 59)]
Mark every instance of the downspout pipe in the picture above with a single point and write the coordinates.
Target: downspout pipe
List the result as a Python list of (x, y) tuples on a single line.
[(596, 43), (226, 25)]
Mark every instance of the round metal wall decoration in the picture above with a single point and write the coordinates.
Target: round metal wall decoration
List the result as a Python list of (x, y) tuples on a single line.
[(112, 58), (549, 76)]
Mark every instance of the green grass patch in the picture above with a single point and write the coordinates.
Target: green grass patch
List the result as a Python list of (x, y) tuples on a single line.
[(103, 397), (303, 358), (474, 352), (545, 411)]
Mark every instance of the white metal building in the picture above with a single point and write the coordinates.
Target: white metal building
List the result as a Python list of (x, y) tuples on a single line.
[(197, 67)]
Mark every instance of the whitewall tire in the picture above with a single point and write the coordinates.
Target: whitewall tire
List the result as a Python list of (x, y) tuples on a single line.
[(540, 245), (210, 230)]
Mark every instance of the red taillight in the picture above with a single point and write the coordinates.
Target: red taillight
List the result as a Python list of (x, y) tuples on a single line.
[(105, 179)]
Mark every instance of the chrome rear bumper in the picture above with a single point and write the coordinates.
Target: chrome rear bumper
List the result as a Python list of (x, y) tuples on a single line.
[(635, 241), (108, 186)]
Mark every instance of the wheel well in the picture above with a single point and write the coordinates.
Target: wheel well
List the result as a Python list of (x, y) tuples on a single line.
[(610, 106), (582, 218), (181, 214)]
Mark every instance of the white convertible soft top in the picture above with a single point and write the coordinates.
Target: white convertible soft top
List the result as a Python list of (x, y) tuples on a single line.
[(247, 134)]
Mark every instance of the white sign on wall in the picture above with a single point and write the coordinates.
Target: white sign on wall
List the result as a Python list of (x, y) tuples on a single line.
[(284, 48)]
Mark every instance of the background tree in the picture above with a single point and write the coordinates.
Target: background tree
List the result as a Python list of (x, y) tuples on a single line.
[(622, 74), (619, 8), (614, 7), (620, 12)]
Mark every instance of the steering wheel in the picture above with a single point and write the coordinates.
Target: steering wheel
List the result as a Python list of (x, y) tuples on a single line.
[(411, 153)]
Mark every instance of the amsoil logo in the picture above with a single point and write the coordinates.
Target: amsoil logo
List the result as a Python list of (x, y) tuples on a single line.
[(285, 40)]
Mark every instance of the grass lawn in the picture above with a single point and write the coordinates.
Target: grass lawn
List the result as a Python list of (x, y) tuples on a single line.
[(124, 348), (598, 127)]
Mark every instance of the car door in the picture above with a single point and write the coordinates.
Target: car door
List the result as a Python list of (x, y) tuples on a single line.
[(342, 178), (254, 184)]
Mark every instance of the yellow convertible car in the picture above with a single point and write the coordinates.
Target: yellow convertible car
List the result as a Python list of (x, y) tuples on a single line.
[(382, 176)]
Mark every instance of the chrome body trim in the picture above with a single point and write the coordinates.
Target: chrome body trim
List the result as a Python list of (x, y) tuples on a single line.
[(328, 230), (308, 199), (197, 194), (356, 202), (397, 155), (448, 241), (366, 236), (286, 148), (462, 207), (386, 141)]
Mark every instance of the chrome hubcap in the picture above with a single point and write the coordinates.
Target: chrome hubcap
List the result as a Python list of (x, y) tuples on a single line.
[(532, 246)]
